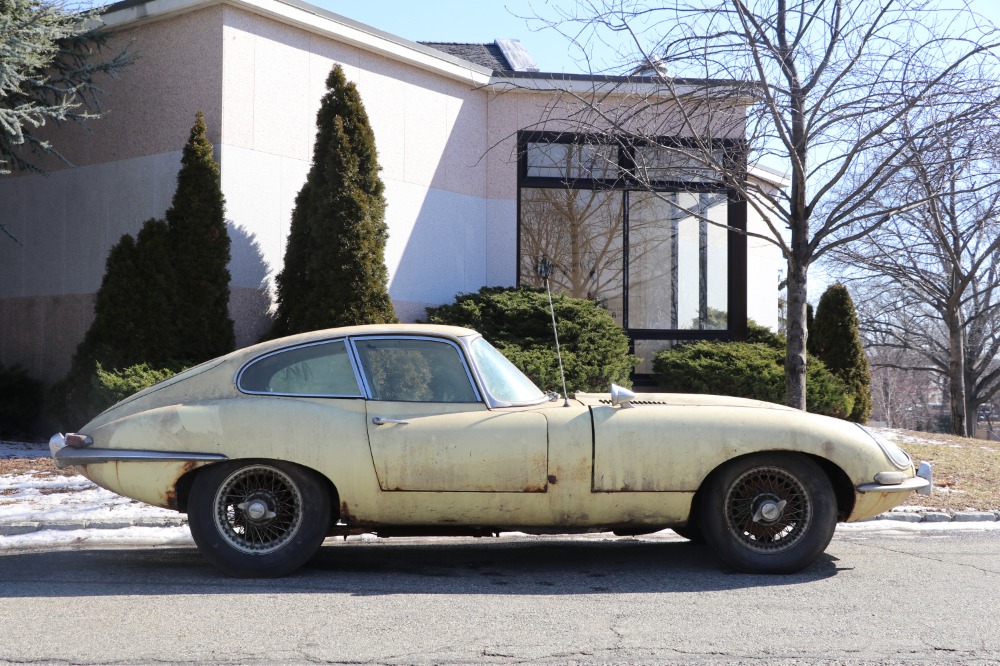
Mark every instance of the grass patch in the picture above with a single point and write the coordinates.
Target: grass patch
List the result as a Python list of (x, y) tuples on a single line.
[(966, 471)]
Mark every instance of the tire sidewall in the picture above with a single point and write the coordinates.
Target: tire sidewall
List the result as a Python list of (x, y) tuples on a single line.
[(216, 548), (823, 521)]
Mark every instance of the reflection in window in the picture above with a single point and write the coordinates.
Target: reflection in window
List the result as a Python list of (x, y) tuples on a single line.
[(674, 163), (571, 161), (646, 349), (323, 370), (581, 232), (414, 370), (678, 261)]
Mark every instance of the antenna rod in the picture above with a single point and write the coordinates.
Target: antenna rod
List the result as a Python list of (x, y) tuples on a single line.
[(544, 269)]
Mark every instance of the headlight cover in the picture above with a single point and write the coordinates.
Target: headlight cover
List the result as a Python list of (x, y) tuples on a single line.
[(895, 455)]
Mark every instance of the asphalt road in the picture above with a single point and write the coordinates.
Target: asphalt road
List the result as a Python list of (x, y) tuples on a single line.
[(923, 598)]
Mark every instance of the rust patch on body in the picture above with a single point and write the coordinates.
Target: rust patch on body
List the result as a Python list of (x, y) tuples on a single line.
[(345, 513), (552, 479), (171, 499), (535, 489)]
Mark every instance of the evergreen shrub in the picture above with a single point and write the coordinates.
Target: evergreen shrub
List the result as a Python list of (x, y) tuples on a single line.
[(164, 298), (116, 385), (334, 270), (517, 321), (835, 338), (747, 370)]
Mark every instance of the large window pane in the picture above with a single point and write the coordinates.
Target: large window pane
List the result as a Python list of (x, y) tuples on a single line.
[(678, 261), (654, 260), (569, 161), (581, 232)]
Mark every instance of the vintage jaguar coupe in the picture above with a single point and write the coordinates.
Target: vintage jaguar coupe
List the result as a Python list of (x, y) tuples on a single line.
[(406, 430)]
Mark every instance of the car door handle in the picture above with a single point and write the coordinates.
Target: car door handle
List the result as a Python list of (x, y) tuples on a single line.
[(378, 420)]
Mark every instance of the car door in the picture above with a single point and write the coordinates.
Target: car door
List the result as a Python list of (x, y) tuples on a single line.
[(430, 430)]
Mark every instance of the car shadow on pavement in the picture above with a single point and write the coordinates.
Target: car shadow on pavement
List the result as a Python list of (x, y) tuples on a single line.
[(486, 567)]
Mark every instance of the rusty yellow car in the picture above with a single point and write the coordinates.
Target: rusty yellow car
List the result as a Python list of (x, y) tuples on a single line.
[(407, 430)]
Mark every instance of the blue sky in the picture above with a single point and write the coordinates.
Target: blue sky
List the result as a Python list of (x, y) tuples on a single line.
[(483, 21)]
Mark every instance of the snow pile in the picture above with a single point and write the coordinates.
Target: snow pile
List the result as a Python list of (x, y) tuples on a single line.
[(47, 497)]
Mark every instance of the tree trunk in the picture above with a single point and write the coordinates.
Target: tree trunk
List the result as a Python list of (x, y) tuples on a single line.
[(795, 359), (956, 374), (971, 404)]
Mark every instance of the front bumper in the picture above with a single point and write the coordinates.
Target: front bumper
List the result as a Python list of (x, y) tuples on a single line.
[(872, 499)]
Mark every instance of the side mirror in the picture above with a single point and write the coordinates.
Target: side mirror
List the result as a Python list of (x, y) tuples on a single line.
[(621, 397)]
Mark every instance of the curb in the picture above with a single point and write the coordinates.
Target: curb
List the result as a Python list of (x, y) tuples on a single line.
[(939, 516), (29, 527)]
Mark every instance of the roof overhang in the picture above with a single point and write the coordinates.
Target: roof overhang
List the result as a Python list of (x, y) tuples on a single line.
[(737, 92), (312, 19)]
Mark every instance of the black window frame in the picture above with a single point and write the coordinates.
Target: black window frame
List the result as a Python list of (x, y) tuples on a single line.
[(625, 182)]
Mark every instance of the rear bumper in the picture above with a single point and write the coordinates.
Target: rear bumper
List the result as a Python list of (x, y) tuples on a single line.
[(66, 456)]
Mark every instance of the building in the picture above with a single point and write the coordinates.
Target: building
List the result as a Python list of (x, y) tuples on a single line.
[(475, 160)]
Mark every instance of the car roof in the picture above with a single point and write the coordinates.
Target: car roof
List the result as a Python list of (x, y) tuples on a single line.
[(370, 329)]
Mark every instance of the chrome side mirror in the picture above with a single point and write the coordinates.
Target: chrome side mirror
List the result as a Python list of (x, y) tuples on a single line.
[(621, 397)]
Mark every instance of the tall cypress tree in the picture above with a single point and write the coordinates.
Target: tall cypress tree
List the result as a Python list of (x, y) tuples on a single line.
[(835, 337), (201, 249), (164, 297), (334, 272)]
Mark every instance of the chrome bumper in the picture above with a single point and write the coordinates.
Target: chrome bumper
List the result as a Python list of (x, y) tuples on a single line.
[(921, 483), (66, 456)]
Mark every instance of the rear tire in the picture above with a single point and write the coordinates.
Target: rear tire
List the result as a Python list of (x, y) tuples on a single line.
[(769, 512), (258, 519)]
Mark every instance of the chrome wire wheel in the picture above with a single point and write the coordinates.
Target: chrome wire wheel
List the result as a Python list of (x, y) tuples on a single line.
[(258, 509), (767, 510)]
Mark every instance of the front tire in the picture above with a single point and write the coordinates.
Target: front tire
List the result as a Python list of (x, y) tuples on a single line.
[(258, 519), (769, 513)]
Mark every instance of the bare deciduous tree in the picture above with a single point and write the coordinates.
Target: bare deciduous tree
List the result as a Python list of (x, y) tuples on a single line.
[(932, 272), (820, 87)]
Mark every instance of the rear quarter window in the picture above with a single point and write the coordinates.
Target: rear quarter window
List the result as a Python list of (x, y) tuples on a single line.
[(322, 369)]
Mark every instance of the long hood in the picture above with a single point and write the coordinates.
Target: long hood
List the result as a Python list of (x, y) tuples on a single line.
[(682, 400)]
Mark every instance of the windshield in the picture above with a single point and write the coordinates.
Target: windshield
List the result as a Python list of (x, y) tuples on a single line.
[(501, 378)]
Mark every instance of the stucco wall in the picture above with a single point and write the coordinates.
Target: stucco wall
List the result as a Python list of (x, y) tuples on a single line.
[(430, 134), (125, 173)]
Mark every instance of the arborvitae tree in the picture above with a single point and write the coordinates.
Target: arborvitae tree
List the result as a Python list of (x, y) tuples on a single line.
[(133, 322), (135, 305), (334, 272), (164, 298), (201, 244), (836, 340)]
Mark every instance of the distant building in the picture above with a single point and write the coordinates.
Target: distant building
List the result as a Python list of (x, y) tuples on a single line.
[(476, 180)]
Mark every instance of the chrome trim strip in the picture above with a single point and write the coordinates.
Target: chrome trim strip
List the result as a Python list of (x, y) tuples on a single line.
[(68, 456), (914, 483)]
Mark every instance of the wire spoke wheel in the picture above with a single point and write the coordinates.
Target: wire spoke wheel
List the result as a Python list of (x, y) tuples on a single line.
[(767, 509), (259, 518), (771, 512), (258, 509)]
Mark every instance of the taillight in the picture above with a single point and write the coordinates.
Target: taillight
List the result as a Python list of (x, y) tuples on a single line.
[(78, 441)]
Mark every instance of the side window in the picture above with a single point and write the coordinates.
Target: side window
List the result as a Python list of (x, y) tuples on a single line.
[(323, 369), (414, 370)]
